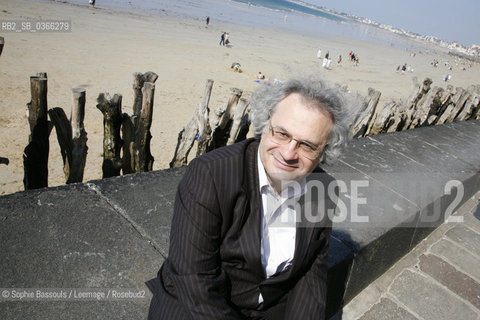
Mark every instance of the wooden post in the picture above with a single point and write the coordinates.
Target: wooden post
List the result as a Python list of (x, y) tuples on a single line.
[(362, 124), (133, 152), (376, 110), (456, 105), (139, 80), (383, 118), (239, 115), (437, 110), (470, 106), (185, 141), (244, 125), (204, 129), (143, 159), (397, 120), (128, 135), (476, 110), (79, 137), (218, 114), (72, 137), (64, 136), (2, 43), (112, 143), (198, 124), (35, 155), (428, 102), (222, 131), (417, 94)]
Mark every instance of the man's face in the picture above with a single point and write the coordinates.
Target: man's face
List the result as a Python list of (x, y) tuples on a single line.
[(284, 162)]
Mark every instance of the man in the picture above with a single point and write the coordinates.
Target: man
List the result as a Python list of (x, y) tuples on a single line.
[(247, 241), (222, 39)]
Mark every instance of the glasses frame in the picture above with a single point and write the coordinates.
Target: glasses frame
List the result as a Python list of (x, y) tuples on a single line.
[(303, 152)]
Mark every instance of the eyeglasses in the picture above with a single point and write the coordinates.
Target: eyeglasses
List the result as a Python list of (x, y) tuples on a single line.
[(304, 148)]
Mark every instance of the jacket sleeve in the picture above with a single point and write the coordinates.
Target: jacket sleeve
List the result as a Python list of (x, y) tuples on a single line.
[(196, 275), (307, 300)]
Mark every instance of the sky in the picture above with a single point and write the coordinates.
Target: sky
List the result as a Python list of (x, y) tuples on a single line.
[(457, 20)]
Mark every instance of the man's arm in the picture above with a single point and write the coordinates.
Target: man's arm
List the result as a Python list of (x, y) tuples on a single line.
[(194, 255), (308, 298)]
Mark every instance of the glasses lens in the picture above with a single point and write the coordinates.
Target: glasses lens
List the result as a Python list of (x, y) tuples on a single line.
[(303, 148), (280, 136), (307, 151)]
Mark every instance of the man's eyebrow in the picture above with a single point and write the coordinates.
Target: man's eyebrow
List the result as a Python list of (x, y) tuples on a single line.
[(304, 141), (311, 144)]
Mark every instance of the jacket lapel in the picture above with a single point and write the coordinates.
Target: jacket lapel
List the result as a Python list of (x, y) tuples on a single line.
[(253, 223)]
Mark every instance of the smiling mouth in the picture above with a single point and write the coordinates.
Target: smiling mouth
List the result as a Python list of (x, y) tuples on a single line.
[(284, 165)]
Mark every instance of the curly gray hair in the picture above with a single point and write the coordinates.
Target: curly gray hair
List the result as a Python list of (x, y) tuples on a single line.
[(265, 99)]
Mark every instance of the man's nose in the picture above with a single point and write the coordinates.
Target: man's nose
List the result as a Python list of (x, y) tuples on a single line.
[(290, 151)]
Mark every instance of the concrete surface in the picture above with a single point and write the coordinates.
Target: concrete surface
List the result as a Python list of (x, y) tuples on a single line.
[(438, 280)]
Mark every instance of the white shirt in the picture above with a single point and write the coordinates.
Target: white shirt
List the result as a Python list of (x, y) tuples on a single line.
[(278, 223)]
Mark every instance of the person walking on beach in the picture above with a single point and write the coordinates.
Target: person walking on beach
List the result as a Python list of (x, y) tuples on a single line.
[(319, 53), (226, 39), (222, 39), (208, 21), (92, 3)]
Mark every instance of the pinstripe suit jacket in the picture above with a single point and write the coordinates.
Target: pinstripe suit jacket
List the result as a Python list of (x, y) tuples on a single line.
[(214, 268)]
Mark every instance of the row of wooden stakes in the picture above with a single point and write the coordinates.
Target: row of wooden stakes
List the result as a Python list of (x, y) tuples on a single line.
[(425, 106), (126, 143)]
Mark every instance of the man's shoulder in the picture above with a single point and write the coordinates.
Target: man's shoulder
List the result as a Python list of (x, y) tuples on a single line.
[(234, 154), (226, 166)]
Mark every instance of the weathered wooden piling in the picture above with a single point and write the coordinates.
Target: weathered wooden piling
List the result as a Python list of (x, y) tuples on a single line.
[(112, 143), (79, 136), (425, 106), (240, 122), (35, 155), (470, 107), (136, 128), (72, 137), (419, 90), (384, 118), (198, 127), (2, 43), (361, 126), (203, 115), (143, 159), (221, 127), (138, 84), (430, 101), (438, 110)]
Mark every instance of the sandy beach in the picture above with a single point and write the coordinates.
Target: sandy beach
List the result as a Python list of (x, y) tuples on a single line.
[(106, 47)]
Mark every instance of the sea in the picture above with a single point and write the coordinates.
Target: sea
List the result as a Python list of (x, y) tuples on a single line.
[(282, 15)]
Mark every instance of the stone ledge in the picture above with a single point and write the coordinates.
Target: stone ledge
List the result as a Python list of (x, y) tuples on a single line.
[(406, 198)]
